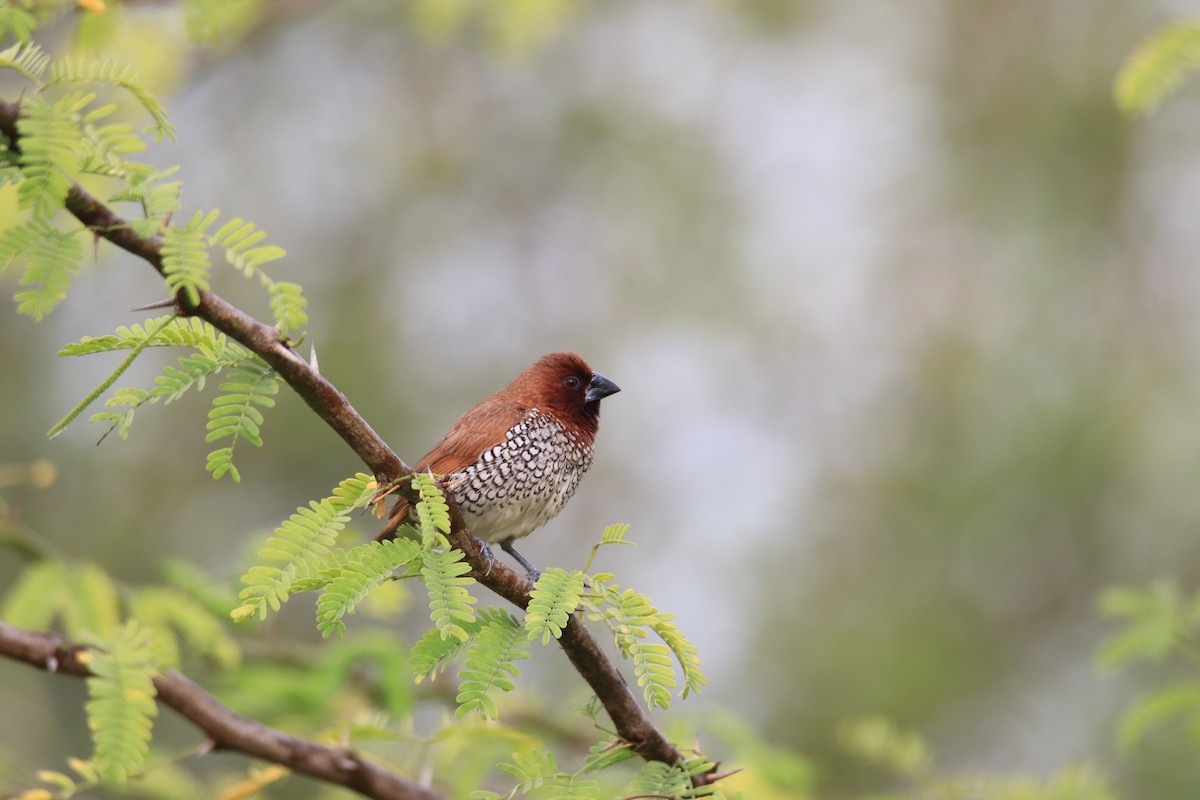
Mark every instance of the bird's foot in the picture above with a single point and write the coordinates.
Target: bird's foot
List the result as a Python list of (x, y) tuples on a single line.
[(485, 553)]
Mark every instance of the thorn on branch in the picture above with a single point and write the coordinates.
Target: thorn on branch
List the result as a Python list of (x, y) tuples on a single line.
[(167, 303)]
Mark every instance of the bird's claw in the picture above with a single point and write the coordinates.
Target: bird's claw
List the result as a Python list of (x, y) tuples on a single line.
[(533, 576), (485, 553)]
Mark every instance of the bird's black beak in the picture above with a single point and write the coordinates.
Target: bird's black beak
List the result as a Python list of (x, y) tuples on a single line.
[(599, 387)]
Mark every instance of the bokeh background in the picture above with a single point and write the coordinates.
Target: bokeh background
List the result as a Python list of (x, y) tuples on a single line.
[(904, 314)]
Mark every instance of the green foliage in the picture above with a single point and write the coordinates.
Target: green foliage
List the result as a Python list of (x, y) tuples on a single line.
[(288, 306), (50, 256), (96, 608), (552, 602), (1179, 701), (74, 134), (603, 755), (82, 597), (186, 263), (557, 595), (157, 200), (121, 708), (37, 595), (879, 741), (538, 775), (213, 354), (1156, 619), (656, 779), (49, 154), (446, 579), (309, 688), (238, 239), (78, 70), (1158, 622), (18, 22), (432, 511), (172, 615), (185, 257), (68, 136), (235, 413), (297, 548), (686, 653), (362, 569), (27, 58), (119, 421), (104, 145), (531, 769), (490, 663), (163, 331), (89, 605), (1158, 67), (613, 534), (433, 653), (630, 616)]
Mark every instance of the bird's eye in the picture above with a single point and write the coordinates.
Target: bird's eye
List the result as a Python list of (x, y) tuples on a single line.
[(571, 382)]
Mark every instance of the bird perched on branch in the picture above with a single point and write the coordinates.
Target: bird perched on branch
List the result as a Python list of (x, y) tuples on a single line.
[(512, 462)]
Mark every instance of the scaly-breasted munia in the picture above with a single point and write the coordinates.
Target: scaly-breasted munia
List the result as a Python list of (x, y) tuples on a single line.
[(512, 462)]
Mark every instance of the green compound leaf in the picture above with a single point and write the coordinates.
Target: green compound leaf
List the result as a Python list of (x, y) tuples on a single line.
[(630, 616), (432, 654), (235, 413), (299, 547), (450, 603), (361, 570), (552, 602), (185, 258), (81, 70), (490, 663), (51, 258), (25, 57), (432, 511), (50, 145), (238, 239), (121, 708), (165, 331), (686, 653), (288, 307), (531, 769), (153, 329)]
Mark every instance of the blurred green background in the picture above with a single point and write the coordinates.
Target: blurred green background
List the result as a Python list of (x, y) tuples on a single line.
[(903, 311)]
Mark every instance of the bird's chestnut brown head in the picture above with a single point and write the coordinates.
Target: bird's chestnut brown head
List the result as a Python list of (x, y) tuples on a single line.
[(564, 385)]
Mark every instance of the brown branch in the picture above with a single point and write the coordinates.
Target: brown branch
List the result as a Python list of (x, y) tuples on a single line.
[(226, 729), (629, 718)]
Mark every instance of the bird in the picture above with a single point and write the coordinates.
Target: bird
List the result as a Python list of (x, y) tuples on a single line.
[(513, 461)]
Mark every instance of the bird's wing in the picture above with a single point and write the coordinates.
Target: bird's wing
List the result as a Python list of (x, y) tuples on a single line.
[(482, 427)]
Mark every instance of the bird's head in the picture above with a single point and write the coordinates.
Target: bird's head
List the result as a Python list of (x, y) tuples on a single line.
[(564, 385)]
